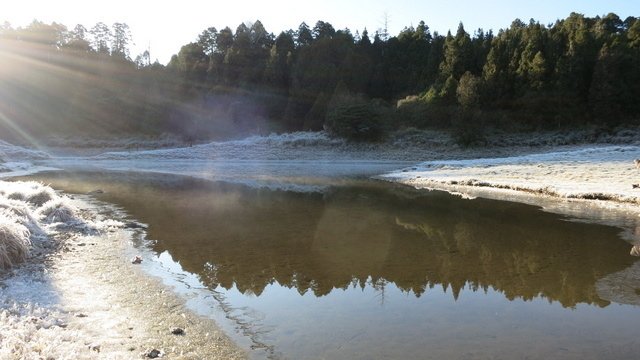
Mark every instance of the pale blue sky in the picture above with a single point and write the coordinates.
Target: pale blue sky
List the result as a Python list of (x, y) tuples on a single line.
[(169, 25)]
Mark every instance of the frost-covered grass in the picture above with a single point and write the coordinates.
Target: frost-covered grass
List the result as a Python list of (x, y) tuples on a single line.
[(17, 160), (31, 192), (16, 153), (406, 144), (14, 240), (29, 331), (302, 145), (591, 173), (26, 209), (31, 325), (57, 211), (132, 142)]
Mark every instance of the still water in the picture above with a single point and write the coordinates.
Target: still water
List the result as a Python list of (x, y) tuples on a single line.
[(370, 270)]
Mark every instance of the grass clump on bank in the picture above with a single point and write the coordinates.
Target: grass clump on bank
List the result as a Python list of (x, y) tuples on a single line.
[(14, 240), (25, 209)]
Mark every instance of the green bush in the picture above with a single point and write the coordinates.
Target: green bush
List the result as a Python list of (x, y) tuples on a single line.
[(357, 121), (468, 128)]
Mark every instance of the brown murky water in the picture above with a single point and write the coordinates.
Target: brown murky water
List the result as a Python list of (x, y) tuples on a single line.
[(368, 270)]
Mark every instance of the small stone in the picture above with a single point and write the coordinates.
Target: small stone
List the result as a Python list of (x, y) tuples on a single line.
[(136, 259), (94, 347), (177, 331), (152, 354), (81, 315), (635, 250)]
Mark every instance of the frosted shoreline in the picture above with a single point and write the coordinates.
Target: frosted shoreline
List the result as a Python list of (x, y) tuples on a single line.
[(597, 175)]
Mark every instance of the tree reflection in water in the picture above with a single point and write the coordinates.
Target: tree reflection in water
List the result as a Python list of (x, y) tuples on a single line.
[(363, 234)]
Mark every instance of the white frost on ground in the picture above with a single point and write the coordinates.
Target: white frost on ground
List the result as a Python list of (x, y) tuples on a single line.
[(31, 323), (594, 173), (18, 161), (287, 146), (12, 152)]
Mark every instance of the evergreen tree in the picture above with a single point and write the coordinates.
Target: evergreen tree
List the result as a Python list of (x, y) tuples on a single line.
[(102, 37), (304, 36)]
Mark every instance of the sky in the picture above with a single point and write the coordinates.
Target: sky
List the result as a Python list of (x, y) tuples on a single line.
[(164, 27)]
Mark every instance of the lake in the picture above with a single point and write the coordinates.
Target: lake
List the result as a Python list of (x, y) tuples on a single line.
[(364, 269)]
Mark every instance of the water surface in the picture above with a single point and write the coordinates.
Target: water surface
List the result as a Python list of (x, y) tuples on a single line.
[(368, 270)]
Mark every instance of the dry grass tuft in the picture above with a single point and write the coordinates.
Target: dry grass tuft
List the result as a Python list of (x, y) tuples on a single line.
[(56, 211), (14, 240)]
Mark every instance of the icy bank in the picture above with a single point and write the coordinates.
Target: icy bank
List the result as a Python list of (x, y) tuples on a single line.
[(594, 173)]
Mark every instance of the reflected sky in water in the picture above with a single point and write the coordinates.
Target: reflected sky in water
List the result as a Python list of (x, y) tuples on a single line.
[(366, 269)]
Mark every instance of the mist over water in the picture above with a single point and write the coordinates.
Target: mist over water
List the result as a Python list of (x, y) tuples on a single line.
[(365, 269)]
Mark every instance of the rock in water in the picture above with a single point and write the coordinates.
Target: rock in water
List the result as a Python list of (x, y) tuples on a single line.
[(635, 250), (136, 259)]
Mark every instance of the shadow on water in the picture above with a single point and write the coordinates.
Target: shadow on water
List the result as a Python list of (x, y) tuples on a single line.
[(255, 245)]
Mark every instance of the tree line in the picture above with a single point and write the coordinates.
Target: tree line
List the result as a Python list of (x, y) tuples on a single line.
[(574, 72)]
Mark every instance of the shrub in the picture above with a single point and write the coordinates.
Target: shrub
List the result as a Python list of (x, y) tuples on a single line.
[(468, 129), (357, 121)]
